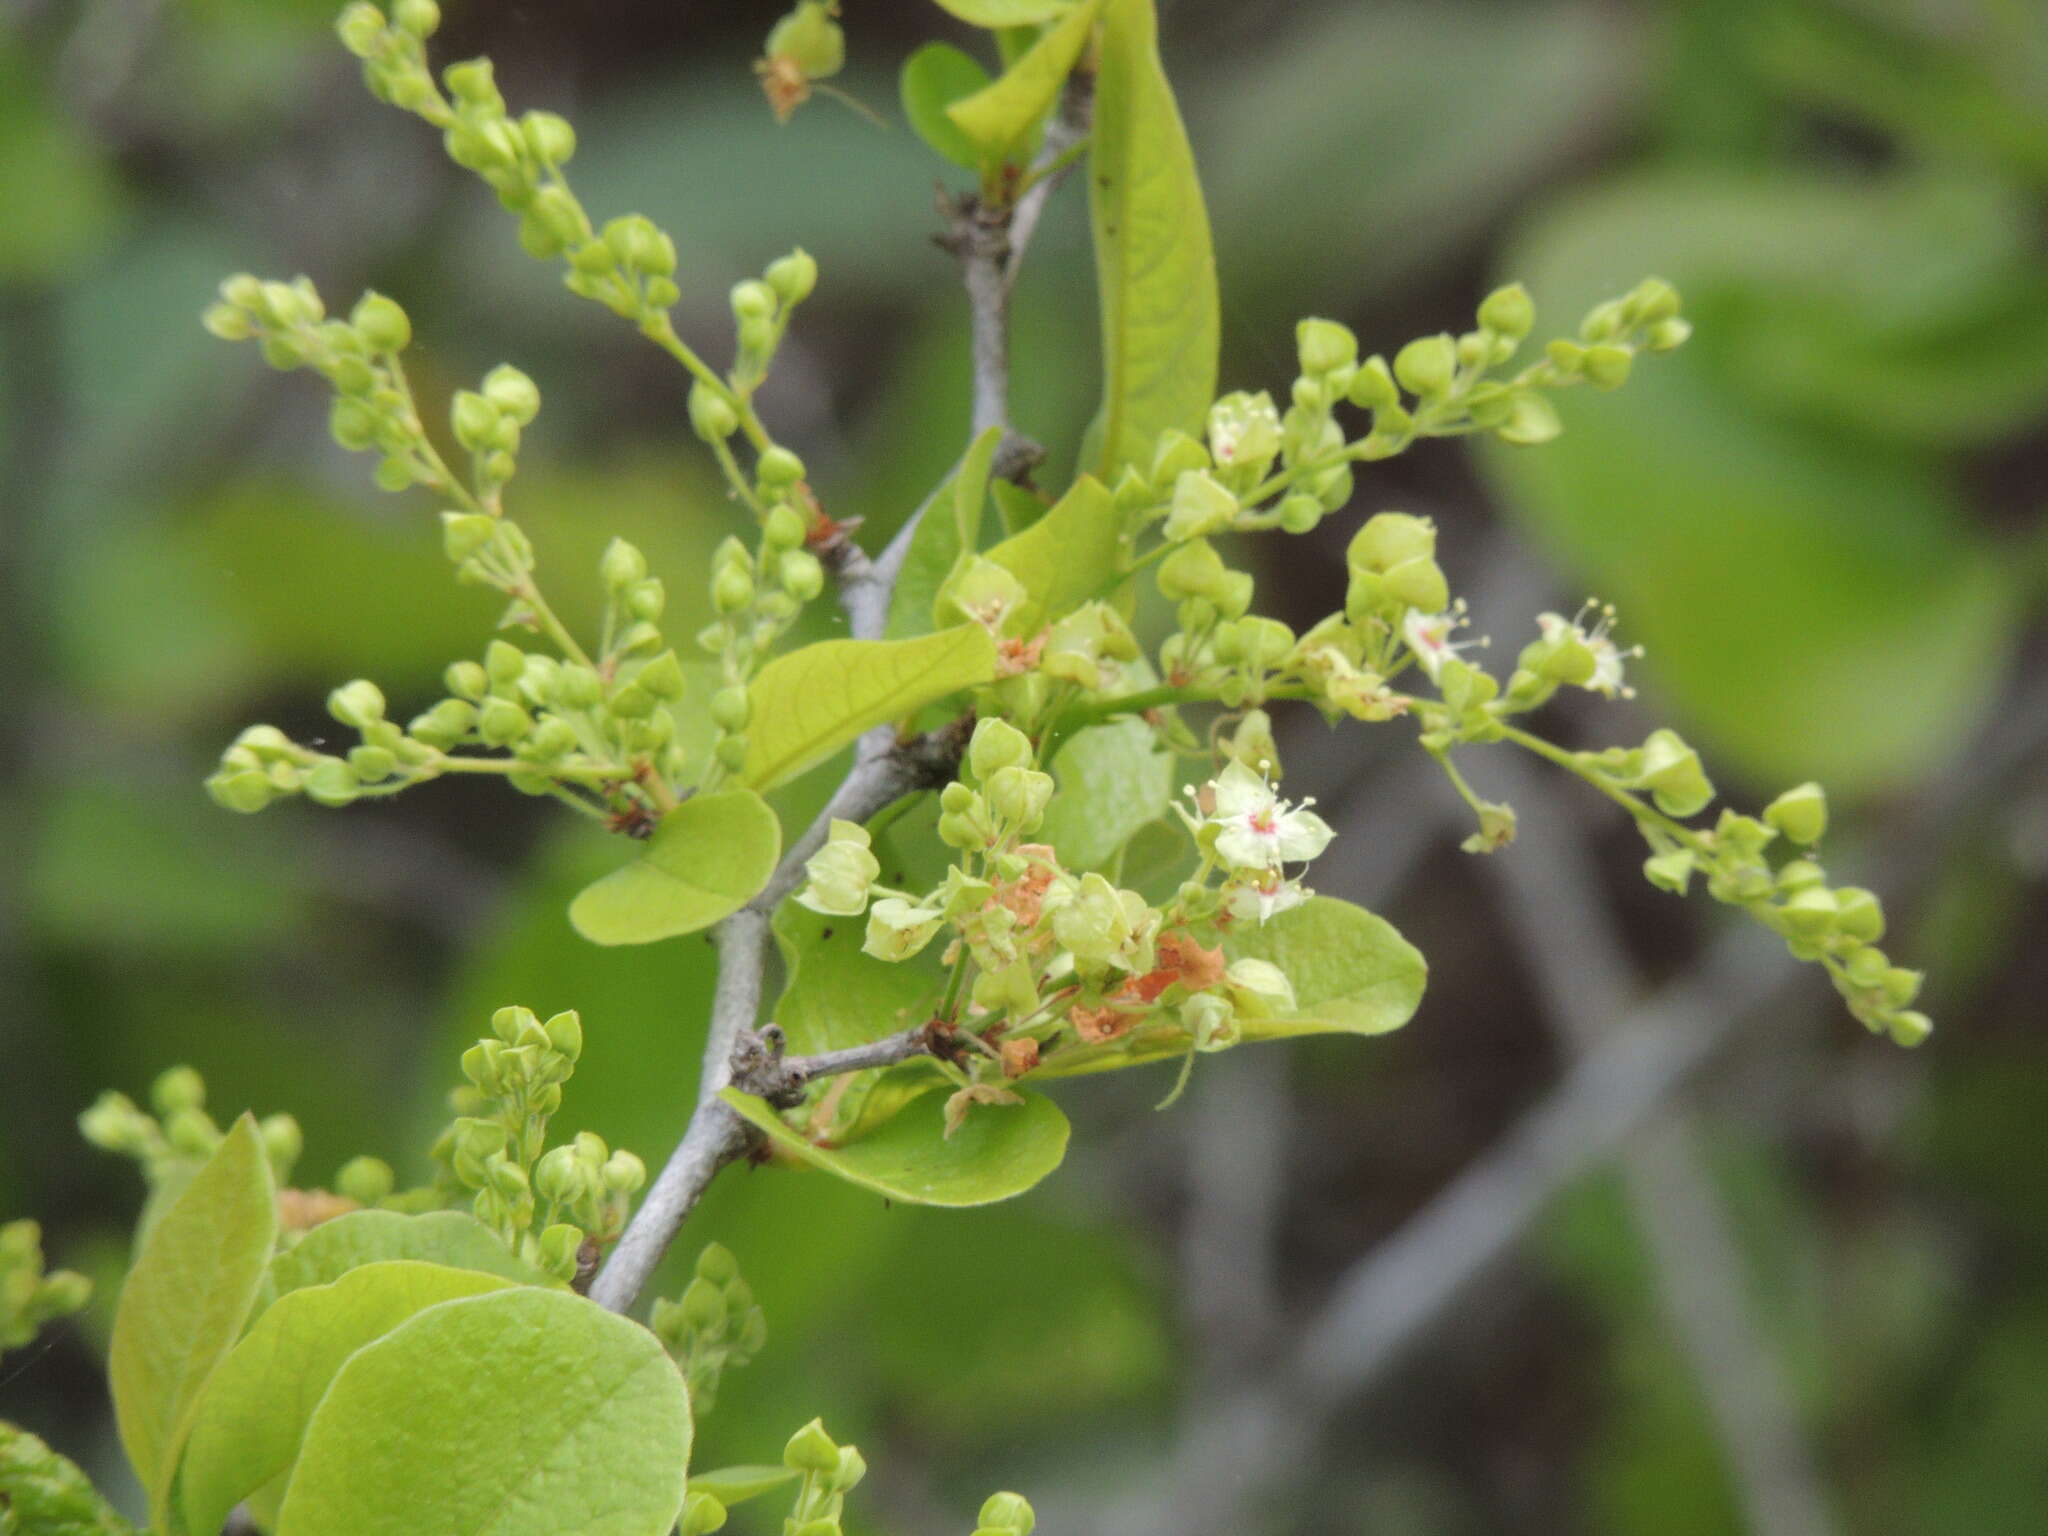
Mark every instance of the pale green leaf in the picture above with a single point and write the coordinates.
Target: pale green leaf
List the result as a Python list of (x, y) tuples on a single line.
[(44, 1494), (1000, 1151), (185, 1302), (1352, 972), (1155, 271), (1004, 13), (254, 1411), (949, 531), (810, 703), (452, 1238), (520, 1413), (1070, 556), (935, 77), (706, 860), (735, 1485), (1020, 508), (997, 118), (1112, 780)]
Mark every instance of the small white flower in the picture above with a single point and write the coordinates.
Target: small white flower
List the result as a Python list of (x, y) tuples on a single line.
[(1429, 636), (1258, 902), (1607, 656), (1258, 830)]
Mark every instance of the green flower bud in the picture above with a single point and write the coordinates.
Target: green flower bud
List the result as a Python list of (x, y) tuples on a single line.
[(474, 420), (549, 138), (62, 1293), (752, 300), (191, 1132), (506, 1178), (559, 1178), (1020, 796), (247, 792), (505, 663), (560, 1247), (1372, 386), (356, 704), (1201, 507), (501, 722), (1667, 335), (1234, 598), (361, 28), (1193, 570), (331, 782), (1300, 513), (468, 679), (512, 392), (227, 322), (632, 702), (1671, 772), (1177, 454), (703, 1306), (1909, 1027), (373, 764), (1808, 913), (472, 81), (114, 1124), (176, 1089), (1901, 986), (1607, 367), (810, 1449), (353, 424), (646, 599), (996, 744), (1426, 366), (464, 534), (1389, 538), (1420, 584), (779, 469), (1801, 813), (365, 1180), (1671, 871), (621, 565), (1653, 300), (717, 1264), (732, 589), (1531, 419), (1859, 914), (801, 574), (1009, 1513), (1324, 346), (1508, 312), (624, 1172), (851, 1469), (381, 323), (283, 1141), (793, 276), (840, 873), (419, 17), (702, 1514)]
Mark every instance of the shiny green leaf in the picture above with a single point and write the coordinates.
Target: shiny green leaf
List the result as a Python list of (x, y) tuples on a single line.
[(706, 860), (935, 77), (520, 1413), (999, 1151), (1352, 972), (254, 1411), (810, 703), (1112, 780), (1070, 556), (997, 118), (1155, 272), (185, 1302), (452, 1238)]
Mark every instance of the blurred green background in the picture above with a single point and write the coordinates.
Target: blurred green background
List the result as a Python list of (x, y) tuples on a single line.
[(1823, 518)]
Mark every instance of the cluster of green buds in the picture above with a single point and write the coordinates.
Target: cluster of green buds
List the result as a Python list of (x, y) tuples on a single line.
[(29, 1297), (172, 1144), (715, 1325), (757, 597), (828, 1471), (546, 1203), (599, 732)]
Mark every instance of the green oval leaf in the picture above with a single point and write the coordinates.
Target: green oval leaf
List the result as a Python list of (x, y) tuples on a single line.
[(1155, 270), (1352, 972), (1113, 782), (935, 77), (1004, 13), (185, 1302), (706, 860), (45, 1494), (949, 531), (810, 703), (253, 1414), (1070, 556), (997, 118), (735, 1485), (520, 1413), (1000, 1151), (453, 1238)]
